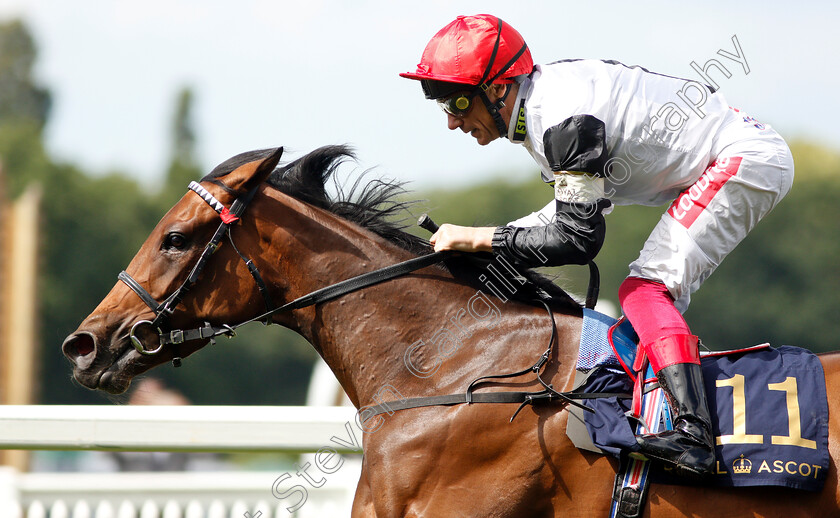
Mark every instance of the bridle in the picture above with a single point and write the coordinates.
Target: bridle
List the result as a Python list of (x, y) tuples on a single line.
[(163, 310)]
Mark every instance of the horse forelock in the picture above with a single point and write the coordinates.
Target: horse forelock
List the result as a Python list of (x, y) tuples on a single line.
[(375, 205)]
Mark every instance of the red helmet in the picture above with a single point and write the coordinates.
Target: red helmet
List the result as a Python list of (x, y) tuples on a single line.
[(472, 50)]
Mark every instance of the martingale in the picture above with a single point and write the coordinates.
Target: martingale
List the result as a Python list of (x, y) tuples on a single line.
[(770, 409)]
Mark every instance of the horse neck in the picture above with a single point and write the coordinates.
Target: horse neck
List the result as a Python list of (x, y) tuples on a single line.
[(452, 332)]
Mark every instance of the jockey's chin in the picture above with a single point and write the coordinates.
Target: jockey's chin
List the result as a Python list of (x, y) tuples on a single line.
[(483, 136)]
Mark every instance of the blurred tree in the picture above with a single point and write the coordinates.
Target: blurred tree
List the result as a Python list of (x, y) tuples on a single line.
[(21, 100), (183, 165), (24, 108)]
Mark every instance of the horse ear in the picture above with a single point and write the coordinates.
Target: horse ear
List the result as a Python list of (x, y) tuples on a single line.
[(265, 168), (246, 177)]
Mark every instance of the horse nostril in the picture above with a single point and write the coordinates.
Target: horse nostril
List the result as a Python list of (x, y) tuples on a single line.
[(78, 346)]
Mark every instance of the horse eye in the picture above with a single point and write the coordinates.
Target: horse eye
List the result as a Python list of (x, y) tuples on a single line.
[(175, 240)]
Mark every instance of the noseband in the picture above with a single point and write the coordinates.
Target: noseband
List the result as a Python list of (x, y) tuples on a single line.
[(163, 310)]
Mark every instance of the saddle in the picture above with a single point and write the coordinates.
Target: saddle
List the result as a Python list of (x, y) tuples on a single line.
[(757, 442)]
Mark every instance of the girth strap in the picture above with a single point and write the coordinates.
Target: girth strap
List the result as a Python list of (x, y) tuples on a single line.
[(523, 398), (447, 400)]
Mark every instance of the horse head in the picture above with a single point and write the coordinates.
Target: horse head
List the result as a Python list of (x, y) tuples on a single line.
[(102, 350)]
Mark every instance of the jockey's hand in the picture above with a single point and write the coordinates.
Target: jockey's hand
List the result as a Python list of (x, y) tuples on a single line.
[(463, 239)]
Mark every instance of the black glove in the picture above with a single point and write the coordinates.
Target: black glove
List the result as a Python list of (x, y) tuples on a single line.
[(574, 236)]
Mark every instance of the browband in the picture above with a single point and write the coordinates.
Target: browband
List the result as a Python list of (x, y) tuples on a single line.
[(211, 200)]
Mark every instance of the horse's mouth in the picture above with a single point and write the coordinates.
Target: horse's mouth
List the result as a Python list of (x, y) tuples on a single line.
[(95, 370), (116, 378)]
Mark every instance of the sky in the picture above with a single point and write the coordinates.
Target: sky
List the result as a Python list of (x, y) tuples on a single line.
[(303, 74)]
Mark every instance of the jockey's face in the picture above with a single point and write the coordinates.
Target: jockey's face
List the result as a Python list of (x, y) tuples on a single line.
[(477, 120)]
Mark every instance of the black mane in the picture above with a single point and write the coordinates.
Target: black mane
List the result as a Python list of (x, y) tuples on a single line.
[(373, 205), (376, 207)]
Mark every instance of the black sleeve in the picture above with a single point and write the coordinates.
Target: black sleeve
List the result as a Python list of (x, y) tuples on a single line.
[(574, 236), (577, 144)]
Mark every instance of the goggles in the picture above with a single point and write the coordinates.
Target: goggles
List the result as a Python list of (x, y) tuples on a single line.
[(456, 105)]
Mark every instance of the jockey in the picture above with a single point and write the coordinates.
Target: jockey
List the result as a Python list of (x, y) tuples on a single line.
[(606, 134)]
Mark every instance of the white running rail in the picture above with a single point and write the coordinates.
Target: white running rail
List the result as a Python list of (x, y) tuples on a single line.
[(165, 495), (174, 428), (182, 429)]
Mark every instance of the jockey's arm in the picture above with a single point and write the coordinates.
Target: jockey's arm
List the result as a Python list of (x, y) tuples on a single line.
[(573, 236), (576, 153)]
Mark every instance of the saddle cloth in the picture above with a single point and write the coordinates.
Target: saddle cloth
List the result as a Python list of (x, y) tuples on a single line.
[(769, 406)]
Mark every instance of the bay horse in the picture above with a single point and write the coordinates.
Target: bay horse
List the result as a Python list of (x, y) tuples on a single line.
[(427, 333)]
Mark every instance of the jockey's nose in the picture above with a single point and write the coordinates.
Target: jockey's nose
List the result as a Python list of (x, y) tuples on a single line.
[(454, 122)]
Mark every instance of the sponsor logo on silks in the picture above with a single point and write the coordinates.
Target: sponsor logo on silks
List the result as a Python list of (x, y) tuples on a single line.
[(693, 201), (520, 131), (754, 122)]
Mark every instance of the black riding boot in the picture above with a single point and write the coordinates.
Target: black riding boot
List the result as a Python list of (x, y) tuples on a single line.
[(689, 448)]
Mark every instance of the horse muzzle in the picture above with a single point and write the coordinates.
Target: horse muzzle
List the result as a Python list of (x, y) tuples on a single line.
[(98, 366), (84, 351)]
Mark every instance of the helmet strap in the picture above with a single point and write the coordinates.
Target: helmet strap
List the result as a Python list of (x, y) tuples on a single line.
[(494, 107), (485, 83)]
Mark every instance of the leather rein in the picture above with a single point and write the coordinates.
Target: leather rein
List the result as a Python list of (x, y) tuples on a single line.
[(166, 336)]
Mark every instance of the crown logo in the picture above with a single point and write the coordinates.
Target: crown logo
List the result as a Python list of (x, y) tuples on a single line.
[(742, 466)]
